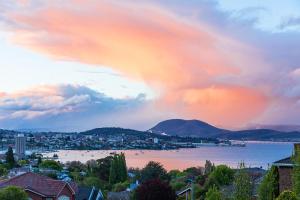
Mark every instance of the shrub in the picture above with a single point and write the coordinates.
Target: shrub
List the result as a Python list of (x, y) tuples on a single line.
[(287, 195), (213, 194), (155, 189), (12, 192), (222, 175), (51, 164)]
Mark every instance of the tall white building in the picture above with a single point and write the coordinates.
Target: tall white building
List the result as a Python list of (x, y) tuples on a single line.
[(20, 146)]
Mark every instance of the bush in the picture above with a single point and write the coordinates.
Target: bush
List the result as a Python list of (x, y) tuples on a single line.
[(119, 187), (213, 194), (287, 195), (222, 175), (12, 192), (178, 185), (154, 190), (51, 164), (154, 170)]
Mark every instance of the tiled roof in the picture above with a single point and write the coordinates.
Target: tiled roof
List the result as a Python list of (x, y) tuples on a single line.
[(42, 185)]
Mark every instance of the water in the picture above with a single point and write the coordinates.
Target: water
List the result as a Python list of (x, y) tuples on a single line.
[(255, 154)]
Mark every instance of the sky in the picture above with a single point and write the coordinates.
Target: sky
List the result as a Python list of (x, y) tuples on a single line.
[(79, 64)]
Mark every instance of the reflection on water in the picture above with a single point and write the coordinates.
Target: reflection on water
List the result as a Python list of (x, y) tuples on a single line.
[(255, 154)]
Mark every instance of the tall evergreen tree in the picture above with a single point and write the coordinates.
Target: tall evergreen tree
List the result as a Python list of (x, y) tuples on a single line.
[(10, 160), (296, 171), (269, 188), (242, 184), (118, 169)]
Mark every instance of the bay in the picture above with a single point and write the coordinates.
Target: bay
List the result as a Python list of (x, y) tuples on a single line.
[(255, 154)]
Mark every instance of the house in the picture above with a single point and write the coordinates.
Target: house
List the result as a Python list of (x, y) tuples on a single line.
[(285, 170), (40, 187), (89, 193)]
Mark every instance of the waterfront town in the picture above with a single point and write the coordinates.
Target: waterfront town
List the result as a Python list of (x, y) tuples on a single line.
[(104, 139)]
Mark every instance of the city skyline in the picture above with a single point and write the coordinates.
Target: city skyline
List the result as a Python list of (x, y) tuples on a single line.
[(77, 65)]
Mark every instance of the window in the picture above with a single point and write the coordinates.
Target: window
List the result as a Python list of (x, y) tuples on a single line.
[(63, 197)]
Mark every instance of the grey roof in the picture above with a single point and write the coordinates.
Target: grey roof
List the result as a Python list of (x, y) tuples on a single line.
[(284, 162)]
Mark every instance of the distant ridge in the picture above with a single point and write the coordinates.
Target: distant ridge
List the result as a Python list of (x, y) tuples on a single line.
[(197, 128), (191, 128)]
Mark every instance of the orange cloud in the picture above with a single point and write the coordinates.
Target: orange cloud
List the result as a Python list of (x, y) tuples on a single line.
[(150, 44)]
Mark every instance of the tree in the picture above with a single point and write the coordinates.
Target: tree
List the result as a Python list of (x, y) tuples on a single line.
[(242, 184), (10, 160), (222, 175), (103, 168), (155, 189), (118, 169), (287, 195), (208, 168), (75, 166), (154, 170), (213, 194), (51, 164), (269, 187), (296, 171), (3, 170), (12, 192)]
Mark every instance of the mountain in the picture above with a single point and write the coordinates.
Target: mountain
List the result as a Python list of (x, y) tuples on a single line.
[(280, 127), (192, 128), (196, 128)]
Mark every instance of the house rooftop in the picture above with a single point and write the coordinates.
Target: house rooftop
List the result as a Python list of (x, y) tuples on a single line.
[(285, 162), (36, 183)]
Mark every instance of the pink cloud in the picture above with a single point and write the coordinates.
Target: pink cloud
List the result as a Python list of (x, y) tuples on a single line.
[(184, 60)]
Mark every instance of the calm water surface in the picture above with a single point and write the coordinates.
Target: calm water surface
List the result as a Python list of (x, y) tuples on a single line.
[(255, 154)]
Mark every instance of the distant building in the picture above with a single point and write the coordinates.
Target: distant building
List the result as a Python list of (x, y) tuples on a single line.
[(20, 146), (155, 140), (285, 170)]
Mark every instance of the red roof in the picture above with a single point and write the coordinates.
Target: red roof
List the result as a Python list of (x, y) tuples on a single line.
[(36, 183)]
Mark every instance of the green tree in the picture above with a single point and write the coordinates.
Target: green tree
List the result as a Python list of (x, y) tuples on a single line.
[(296, 171), (269, 187), (3, 170), (10, 160), (12, 192), (242, 184), (213, 194), (118, 169), (154, 170), (287, 195), (222, 175), (51, 164), (103, 168)]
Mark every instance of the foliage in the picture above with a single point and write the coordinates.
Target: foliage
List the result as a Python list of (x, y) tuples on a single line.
[(75, 166), (155, 189), (51, 164), (12, 192), (23, 162), (208, 168), (154, 170), (103, 168), (242, 184), (119, 187), (213, 194), (177, 185), (296, 171), (269, 187), (222, 175), (118, 169), (93, 181), (287, 195), (10, 160), (3, 170), (194, 171)]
